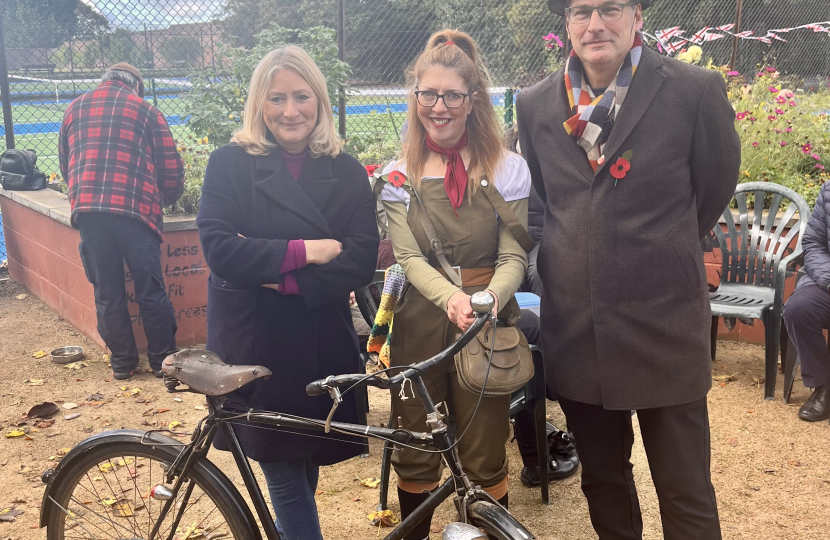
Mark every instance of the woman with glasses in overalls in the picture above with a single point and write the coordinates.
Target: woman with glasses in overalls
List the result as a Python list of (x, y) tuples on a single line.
[(452, 150)]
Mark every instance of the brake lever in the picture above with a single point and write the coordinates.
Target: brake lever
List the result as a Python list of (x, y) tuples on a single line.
[(337, 400)]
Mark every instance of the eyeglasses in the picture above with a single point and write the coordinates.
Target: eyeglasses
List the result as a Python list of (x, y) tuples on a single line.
[(607, 12), (452, 100)]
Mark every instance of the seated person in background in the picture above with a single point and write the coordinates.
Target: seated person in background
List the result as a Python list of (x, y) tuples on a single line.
[(807, 313)]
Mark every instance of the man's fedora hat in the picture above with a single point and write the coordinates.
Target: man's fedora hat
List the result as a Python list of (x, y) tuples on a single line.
[(123, 66), (558, 6)]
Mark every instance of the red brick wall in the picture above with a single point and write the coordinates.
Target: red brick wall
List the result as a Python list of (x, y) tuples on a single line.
[(43, 256)]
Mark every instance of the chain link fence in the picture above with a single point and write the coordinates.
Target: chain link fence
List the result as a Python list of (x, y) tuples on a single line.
[(55, 50)]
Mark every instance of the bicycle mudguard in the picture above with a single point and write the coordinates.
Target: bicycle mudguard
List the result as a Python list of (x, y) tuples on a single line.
[(497, 516), (54, 477)]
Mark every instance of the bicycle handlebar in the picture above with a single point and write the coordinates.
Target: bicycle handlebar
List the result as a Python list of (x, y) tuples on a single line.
[(482, 302)]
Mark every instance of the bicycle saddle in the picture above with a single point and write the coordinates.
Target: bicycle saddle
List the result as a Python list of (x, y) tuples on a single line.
[(204, 372)]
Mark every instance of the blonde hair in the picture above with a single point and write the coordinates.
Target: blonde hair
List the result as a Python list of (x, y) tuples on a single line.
[(324, 139), (486, 140)]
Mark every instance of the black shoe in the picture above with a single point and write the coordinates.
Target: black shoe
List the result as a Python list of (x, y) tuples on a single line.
[(817, 406), (125, 376), (563, 461)]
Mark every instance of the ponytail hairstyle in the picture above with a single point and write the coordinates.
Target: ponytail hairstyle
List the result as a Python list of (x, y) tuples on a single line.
[(456, 50)]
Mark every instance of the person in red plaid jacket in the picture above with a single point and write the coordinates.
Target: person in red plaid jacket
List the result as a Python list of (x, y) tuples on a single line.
[(120, 162)]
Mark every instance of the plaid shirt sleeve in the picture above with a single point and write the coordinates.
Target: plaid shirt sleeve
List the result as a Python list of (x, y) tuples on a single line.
[(168, 162)]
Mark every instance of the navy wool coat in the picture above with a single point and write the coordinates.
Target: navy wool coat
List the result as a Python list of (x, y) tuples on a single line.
[(299, 338), (816, 243)]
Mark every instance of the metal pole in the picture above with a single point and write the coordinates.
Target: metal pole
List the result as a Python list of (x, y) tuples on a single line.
[(4, 88), (739, 8), (341, 54)]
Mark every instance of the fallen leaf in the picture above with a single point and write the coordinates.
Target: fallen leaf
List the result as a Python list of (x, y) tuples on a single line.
[(123, 388), (177, 399), (384, 518), (369, 482), (76, 365), (199, 408), (35, 382), (750, 410), (726, 378), (64, 451), (355, 499), (15, 433), (21, 296), (38, 354), (159, 411), (758, 380), (108, 501), (319, 492), (436, 529), (72, 416), (95, 397), (124, 510), (722, 384), (133, 392), (70, 406), (174, 424), (149, 412), (43, 410), (10, 512), (795, 463)]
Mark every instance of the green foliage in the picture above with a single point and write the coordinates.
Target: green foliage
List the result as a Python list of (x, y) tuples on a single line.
[(784, 135), (216, 101), (182, 49), (48, 23), (195, 153), (379, 141)]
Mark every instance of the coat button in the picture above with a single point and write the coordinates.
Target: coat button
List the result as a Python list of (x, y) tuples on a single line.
[(484, 183)]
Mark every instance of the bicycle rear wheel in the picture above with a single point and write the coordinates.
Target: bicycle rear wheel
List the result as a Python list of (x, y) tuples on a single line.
[(104, 493)]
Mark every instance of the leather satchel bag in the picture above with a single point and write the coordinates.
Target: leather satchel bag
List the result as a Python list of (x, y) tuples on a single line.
[(511, 367), (18, 171)]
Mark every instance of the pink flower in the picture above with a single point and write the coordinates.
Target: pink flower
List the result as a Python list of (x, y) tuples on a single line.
[(759, 74), (781, 99), (779, 111), (819, 166), (792, 103), (553, 38), (778, 130), (783, 143), (806, 147), (771, 117), (733, 73), (755, 144), (815, 157), (789, 129), (773, 89), (752, 119), (771, 70), (740, 116)]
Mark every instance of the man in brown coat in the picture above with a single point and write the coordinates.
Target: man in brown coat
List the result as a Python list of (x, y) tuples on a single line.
[(636, 156)]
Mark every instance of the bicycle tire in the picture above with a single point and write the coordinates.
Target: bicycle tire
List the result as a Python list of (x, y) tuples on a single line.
[(497, 522), (88, 498)]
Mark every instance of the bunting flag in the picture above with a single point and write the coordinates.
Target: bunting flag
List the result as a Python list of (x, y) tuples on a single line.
[(711, 33)]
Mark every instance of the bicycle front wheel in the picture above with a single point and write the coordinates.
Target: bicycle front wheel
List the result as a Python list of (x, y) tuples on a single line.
[(104, 493), (497, 522)]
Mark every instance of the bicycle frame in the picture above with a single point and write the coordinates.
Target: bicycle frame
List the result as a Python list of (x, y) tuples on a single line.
[(221, 419)]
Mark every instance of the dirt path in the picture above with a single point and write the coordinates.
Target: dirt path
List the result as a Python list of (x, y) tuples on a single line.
[(770, 470)]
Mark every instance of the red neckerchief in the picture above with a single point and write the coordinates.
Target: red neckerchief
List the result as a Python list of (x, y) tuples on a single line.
[(455, 179)]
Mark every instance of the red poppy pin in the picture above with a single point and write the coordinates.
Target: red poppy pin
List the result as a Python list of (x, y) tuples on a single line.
[(397, 178), (370, 169), (619, 169)]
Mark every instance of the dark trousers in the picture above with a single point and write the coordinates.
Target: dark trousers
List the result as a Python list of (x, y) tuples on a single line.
[(107, 242), (524, 426), (676, 440), (806, 314)]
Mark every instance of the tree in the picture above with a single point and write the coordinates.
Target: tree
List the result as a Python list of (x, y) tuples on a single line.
[(216, 100), (48, 23)]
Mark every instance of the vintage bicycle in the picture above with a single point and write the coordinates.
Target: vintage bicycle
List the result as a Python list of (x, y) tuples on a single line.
[(144, 485)]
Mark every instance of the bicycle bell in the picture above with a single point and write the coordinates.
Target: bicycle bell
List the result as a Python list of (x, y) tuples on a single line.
[(461, 531), (482, 302)]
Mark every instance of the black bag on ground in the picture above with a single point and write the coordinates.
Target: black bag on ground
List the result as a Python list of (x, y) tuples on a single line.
[(18, 171)]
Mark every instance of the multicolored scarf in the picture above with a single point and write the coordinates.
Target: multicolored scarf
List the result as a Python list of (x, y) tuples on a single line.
[(381, 335), (455, 178), (593, 116)]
